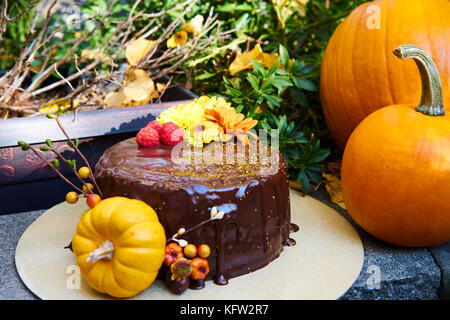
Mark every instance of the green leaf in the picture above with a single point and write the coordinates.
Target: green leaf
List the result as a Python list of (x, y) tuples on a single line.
[(49, 143), (50, 115), (284, 55), (23, 145), (205, 76), (316, 177), (320, 155), (233, 92), (60, 111), (254, 82), (45, 148), (304, 84), (306, 69), (272, 101), (281, 82), (72, 164), (274, 68), (299, 97), (55, 163), (304, 181), (281, 72), (232, 7), (259, 68), (239, 108)]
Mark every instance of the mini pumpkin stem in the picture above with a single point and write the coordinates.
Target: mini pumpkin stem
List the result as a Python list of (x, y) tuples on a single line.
[(432, 98), (104, 251)]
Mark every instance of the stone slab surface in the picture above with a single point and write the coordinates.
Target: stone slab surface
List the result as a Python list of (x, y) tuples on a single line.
[(388, 273)]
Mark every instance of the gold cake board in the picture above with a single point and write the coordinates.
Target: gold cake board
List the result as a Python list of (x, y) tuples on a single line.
[(324, 263)]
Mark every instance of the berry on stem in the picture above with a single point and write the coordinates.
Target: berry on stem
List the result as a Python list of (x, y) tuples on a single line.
[(190, 251), (84, 172), (71, 197), (86, 190), (92, 200), (203, 251)]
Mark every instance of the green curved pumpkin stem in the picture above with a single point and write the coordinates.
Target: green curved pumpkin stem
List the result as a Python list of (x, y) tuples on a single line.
[(432, 101)]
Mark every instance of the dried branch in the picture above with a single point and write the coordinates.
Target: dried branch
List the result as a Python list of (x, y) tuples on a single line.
[(159, 62), (5, 18)]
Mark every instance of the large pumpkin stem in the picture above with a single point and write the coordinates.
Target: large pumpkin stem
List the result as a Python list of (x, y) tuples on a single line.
[(104, 251), (432, 101)]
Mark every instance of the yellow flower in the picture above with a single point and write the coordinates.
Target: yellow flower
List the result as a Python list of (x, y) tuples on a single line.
[(243, 61), (194, 26), (191, 118), (177, 39)]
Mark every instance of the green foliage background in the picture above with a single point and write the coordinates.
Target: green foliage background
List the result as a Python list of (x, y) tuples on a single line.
[(283, 97)]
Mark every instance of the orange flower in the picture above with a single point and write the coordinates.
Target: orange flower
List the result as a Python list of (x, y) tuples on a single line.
[(231, 123)]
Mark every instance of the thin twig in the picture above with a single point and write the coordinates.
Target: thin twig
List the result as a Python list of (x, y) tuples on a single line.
[(74, 170), (75, 147), (55, 170)]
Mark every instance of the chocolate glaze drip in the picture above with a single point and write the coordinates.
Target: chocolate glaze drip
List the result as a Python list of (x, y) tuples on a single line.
[(254, 198), (293, 228)]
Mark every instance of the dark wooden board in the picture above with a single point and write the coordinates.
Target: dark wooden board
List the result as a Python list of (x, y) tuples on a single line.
[(26, 183)]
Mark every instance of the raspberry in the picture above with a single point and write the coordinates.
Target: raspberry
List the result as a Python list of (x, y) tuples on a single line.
[(171, 134), (147, 137), (155, 125)]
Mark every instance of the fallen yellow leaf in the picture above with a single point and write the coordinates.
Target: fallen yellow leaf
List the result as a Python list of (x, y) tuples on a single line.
[(138, 88), (300, 7), (53, 105), (287, 5), (160, 87), (138, 50), (243, 61), (268, 59), (114, 99), (194, 26), (334, 188), (91, 54)]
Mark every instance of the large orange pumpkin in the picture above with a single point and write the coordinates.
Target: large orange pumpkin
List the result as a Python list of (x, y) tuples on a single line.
[(359, 73), (396, 166)]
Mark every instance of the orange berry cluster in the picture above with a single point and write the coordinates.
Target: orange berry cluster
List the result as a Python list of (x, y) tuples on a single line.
[(92, 199), (190, 258)]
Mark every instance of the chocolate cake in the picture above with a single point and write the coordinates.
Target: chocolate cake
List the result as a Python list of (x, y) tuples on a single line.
[(252, 193)]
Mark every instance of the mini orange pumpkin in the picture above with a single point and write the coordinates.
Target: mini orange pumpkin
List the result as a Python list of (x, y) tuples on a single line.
[(396, 166), (119, 246)]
